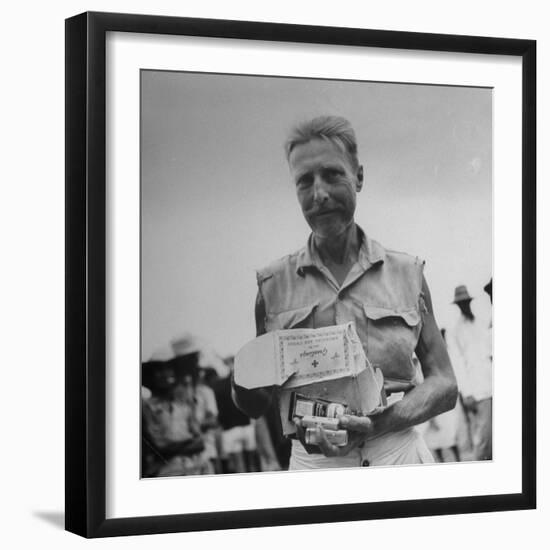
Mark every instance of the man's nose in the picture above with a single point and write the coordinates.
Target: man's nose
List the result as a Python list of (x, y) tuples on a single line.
[(320, 193)]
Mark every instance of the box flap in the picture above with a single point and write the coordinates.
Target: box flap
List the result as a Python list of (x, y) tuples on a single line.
[(300, 356)]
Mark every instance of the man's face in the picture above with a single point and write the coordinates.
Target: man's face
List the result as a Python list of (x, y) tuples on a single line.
[(164, 378), (326, 186)]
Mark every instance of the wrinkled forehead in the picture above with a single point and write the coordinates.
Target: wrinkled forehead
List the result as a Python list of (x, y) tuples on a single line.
[(318, 152)]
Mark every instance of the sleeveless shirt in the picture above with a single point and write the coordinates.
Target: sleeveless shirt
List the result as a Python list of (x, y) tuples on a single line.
[(382, 294)]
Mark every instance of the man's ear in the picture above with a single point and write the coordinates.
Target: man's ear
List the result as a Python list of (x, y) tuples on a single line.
[(360, 175)]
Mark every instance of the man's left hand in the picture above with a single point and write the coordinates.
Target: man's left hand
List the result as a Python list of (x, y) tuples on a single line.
[(359, 424)]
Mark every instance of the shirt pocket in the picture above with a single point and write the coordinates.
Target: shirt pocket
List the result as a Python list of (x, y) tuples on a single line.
[(410, 317), (301, 317), (391, 338)]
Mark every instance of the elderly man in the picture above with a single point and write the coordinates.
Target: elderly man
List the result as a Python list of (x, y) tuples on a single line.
[(342, 275)]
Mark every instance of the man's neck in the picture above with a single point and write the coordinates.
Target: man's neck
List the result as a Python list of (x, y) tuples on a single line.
[(340, 249)]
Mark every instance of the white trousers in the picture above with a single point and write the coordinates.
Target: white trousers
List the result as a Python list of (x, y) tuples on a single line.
[(405, 447)]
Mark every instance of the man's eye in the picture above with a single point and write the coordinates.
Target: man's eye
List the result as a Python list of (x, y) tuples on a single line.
[(332, 174), (304, 181)]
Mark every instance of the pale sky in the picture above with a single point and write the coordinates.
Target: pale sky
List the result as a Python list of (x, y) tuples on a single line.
[(218, 202)]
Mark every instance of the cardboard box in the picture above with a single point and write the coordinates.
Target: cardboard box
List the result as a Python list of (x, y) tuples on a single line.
[(325, 363)]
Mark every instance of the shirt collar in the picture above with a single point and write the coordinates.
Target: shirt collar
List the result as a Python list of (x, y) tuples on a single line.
[(370, 253)]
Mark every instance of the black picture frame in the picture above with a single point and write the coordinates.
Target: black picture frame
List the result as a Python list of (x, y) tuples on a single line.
[(86, 273)]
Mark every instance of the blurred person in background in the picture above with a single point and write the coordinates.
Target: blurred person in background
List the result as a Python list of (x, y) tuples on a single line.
[(171, 436), (265, 447), (441, 432), (281, 445), (238, 440), (187, 349), (158, 380), (471, 354), (209, 419), (486, 449)]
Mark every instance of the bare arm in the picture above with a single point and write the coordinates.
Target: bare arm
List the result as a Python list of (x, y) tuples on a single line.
[(255, 402), (437, 394)]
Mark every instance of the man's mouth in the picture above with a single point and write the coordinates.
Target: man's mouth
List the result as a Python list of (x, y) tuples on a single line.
[(324, 213)]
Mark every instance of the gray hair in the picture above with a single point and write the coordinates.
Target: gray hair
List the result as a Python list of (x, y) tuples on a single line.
[(335, 129)]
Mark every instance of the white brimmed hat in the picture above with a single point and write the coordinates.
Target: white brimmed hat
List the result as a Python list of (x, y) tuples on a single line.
[(162, 354), (185, 344)]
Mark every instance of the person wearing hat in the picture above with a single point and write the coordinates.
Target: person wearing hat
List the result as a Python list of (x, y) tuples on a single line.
[(340, 276), (171, 437), (469, 347), (189, 352)]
